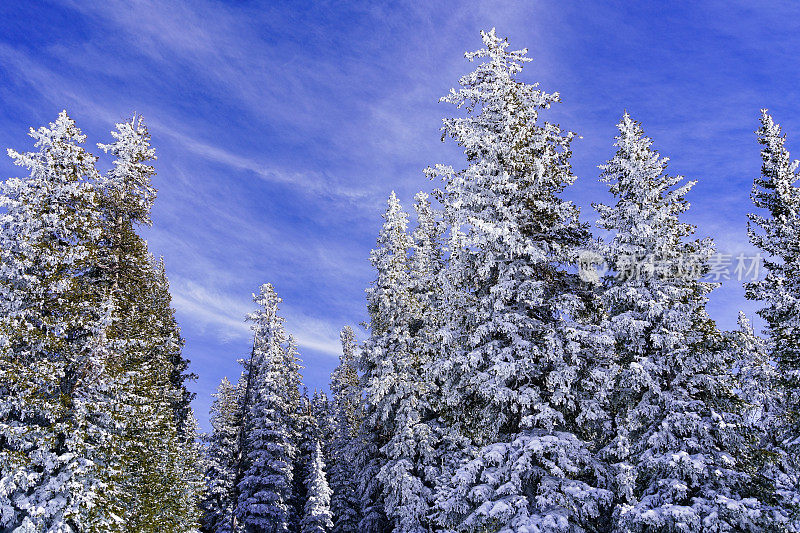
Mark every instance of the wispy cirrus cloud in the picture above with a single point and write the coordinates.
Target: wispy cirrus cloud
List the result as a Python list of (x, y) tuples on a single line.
[(224, 315), (61, 91)]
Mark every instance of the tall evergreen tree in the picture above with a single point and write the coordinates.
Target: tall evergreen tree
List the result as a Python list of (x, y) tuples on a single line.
[(128, 197), (413, 453), (306, 444), (268, 443), (317, 512), (756, 376), (314, 428), (777, 233), (221, 456), (678, 450), (159, 481), (385, 352), (515, 354), (757, 386), (396, 379), (54, 380), (346, 390)]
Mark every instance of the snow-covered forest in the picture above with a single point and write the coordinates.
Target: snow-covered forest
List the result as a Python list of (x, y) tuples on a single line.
[(522, 372)]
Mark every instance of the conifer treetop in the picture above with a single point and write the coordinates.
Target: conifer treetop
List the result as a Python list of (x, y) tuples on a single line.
[(130, 179)]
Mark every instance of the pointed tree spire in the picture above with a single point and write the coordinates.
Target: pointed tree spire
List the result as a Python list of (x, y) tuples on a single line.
[(347, 415), (269, 443), (129, 182), (757, 380), (389, 304), (317, 512), (777, 233), (220, 498), (426, 262)]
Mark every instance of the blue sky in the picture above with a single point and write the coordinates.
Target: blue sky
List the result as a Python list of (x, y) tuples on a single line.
[(281, 127)]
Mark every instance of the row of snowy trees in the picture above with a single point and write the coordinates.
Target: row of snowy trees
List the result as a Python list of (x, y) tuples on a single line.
[(501, 388), (96, 428), (265, 469)]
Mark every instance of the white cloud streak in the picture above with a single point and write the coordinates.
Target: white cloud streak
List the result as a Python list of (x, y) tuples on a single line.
[(224, 316)]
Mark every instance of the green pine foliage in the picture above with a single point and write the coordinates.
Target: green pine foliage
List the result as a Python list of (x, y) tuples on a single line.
[(158, 483)]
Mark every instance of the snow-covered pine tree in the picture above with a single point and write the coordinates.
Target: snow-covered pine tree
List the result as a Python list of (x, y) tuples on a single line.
[(159, 479), (306, 443), (390, 259), (456, 445), (514, 348), (414, 447), (678, 448), (756, 375), (303, 425), (54, 381), (269, 442), (168, 340), (324, 429), (127, 199), (395, 383), (346, 385), (323, 422), (426, 269), (757, 386), (346, 390), (221, 456), (777, 234), (188, 465), (317, 511)]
